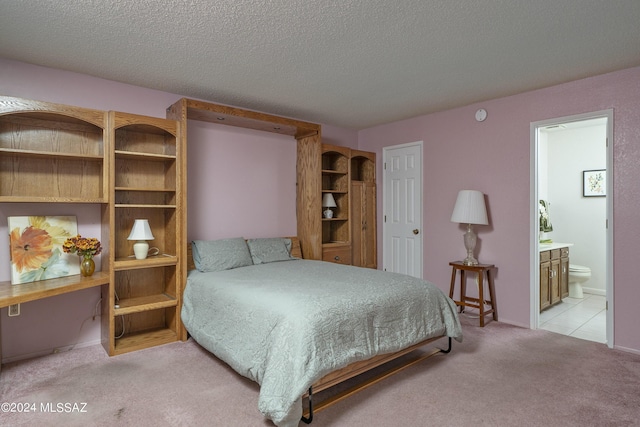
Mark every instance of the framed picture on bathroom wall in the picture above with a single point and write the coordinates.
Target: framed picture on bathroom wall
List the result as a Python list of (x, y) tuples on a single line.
[(594, 183)]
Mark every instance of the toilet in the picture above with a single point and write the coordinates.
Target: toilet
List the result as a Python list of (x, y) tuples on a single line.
[(578, 274)]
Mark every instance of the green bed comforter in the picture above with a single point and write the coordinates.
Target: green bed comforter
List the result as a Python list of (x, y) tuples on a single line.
[(287, 324)]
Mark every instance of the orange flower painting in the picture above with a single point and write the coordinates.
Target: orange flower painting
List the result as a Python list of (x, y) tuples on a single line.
[(36, 247), (30, 249)]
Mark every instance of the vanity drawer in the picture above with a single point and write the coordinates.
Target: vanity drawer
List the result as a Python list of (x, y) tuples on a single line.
[(555, 253), (564, 252), (341, 255), (545, 256)]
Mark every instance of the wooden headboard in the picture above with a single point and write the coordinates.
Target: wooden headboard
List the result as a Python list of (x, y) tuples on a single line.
[(296, 251)]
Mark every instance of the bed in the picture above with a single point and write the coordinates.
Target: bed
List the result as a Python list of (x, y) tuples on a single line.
[(299, 326)]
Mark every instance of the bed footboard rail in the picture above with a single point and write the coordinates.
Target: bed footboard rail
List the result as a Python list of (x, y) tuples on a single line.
[(361, 367)]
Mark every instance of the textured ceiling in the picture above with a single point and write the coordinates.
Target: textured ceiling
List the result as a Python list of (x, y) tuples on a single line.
[(348, 63)]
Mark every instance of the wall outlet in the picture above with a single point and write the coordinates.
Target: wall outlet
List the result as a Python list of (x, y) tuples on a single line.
[(14, 310)]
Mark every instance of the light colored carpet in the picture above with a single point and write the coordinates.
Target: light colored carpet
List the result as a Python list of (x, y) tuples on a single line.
[(500, 375)]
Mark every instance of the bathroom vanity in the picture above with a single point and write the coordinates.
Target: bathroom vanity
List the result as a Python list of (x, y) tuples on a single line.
[(554, 273)]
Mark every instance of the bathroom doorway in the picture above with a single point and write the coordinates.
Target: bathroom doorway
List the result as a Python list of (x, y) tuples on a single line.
[(571, 156)]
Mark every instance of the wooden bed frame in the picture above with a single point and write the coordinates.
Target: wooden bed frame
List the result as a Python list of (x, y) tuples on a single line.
[(354, 369)]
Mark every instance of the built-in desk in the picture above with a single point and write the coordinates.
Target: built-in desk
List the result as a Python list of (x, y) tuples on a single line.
[(25, 292)]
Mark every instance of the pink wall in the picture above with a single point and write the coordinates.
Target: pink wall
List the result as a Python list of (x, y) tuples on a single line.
[(242, 183), (338, 136), (494, 157)]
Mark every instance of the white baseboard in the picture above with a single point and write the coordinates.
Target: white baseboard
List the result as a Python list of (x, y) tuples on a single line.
[(594, 291)]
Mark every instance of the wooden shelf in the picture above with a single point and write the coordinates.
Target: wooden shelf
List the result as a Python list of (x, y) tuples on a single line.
[(123, 205), (145, 303), (144, 156), (51, 155), (147, 190), (127, 197), (142, 340), (25, 292), (51, 199), (131, 263)]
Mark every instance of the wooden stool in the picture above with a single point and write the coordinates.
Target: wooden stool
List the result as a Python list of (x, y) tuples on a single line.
[(480, 302)]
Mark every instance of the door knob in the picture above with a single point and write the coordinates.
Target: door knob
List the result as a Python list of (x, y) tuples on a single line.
[(416, 231)]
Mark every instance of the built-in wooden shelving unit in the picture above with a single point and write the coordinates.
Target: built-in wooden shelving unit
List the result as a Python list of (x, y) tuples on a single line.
[(131, 166)]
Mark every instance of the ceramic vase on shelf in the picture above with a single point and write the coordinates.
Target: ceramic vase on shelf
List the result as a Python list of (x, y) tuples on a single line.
[(87, 266)]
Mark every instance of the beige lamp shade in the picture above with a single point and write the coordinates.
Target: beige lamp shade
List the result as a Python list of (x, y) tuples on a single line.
[(470, 208), (141, 232), (328, 201)]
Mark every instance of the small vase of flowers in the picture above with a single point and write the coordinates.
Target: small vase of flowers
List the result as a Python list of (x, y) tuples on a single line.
[(86, 248)]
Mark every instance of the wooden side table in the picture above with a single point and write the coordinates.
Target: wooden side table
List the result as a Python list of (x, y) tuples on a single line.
[(466, 301)]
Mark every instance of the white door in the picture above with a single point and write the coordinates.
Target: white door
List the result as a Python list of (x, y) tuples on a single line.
[(402, 213)]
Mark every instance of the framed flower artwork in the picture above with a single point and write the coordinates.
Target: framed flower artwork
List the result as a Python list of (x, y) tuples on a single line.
[(36, 247), (594, 183)]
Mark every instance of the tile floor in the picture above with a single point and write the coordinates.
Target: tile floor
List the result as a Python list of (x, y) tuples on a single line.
[(581, 318)]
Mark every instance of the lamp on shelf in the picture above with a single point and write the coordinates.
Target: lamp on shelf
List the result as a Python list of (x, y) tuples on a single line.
[(328, 202), (141, 232), (470, 209)]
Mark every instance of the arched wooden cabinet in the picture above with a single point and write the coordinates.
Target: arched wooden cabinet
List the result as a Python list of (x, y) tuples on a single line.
[(363, 209), (348, 236)]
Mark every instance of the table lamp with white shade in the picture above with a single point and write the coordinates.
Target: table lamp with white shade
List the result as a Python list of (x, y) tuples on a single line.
[(470, 209), (328, 202), (141, 232)]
